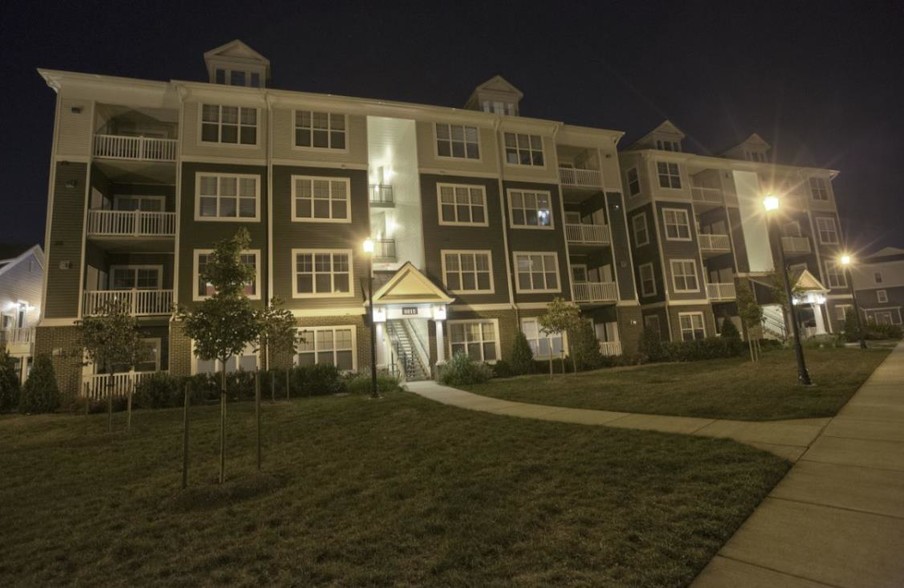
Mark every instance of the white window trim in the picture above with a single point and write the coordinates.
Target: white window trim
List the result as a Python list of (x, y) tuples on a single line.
[(505, 160), (628, 181), (332, 328), (691, 314), (439, 205), (687, 223), (820, 229), (495, 330), (230, 219), (823, 186), (351, 274), (669, 174), (835, 269), (841, 311), (159, 269), (552, 219), (643, 292), (239, 145), (672, 263), (348, 200), (296, 147), (562, 337), (555, 256), (882, 296), (487, 252), (646, 229), (450, 157), (196, 274)]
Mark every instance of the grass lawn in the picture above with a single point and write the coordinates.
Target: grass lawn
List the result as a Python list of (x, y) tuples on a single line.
[(400, 491), (720, 388)]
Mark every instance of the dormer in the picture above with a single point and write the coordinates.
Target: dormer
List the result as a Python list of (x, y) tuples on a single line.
[(665, 137), (237, 64), (753, 148), (496, 95)]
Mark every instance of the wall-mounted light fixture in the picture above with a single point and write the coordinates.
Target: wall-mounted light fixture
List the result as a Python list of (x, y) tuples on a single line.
[(71, 184), (76, 110)]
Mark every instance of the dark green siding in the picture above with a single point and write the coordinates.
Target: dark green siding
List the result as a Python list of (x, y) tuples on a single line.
[(65, 246)]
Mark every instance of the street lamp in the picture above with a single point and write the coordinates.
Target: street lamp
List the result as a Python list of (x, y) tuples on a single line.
[(368, 247), (772, 203), (846, 261)]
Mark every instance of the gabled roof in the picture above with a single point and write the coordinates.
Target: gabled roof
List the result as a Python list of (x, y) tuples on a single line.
[(665, 129), (752, 143), (410, 286), (236, 50), (803, 280), (884, 252), (499, 84), (25, 252)]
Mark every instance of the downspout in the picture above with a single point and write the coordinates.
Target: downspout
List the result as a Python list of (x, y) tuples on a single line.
[(505, 244)]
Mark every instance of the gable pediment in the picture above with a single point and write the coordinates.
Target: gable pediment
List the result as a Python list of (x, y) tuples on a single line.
[(807, 282), (236, 50), (410, 286), (499, 85)]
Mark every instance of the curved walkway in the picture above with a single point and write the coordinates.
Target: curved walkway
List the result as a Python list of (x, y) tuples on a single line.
[(836, 519)]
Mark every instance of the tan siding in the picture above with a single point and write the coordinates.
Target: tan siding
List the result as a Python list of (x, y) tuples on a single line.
[(191, 136), (74, 129), (427, 158)]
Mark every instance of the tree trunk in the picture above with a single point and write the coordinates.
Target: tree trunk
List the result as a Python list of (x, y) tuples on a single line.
[(223, 423), (257, 415), (185, 436)]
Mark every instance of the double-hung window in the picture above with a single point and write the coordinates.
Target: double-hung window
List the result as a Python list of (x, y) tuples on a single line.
[(684, 275), (825, 228), (647, 280), (882, 296), (542, 344), (247, 361), (476, 339), (677, 225), (835, 275), (633, 182), (236, 125), (669, 175), (530, 209), (327, 345), (203, 288), (135, 277), (819, 189), (462, 204), (458, 141), (468, 271), (320, 130), (691, 324), (320, 199), (641, 235), (321, 272), (227, 197), (537, 272), (841, 311), (523, 149)]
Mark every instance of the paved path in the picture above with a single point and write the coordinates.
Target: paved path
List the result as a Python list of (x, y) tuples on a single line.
[(836, 519)]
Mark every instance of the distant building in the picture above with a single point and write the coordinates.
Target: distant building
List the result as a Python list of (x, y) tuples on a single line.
[(21, 280), (879, 285)]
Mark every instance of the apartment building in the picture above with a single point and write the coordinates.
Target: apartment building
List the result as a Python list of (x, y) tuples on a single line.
[(21, 277), (699, 228), (479, 216), (879, 285)]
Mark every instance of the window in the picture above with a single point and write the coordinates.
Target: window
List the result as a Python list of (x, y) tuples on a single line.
[(881, 296), (677, 225), (203, 288), (477, 339), (669, 176), (691, 324), (320, 130), (235, 125), (537, 272), (327, 345), (458, 141), (320, 199), (633, 182), (639, 223), (668, 145), (647, 280), (791, 229), (226, 197), (835, 275), (135, 277), (149, 356), (543, 345), (321, 272), (246, 362), (651, 322), (523, 149), (498, 107), (143, 203), (530, 209), (877, 277), (468, 271), (461, 205), (819, 189), (841, 311), (825, 227), (684, 275)]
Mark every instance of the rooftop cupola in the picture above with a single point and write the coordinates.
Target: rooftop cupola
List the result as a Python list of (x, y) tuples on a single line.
[(237, 64), (665, 137), (753, 148), (496, 95)]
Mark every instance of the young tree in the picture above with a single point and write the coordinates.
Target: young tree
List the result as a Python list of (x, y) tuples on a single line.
[(522, 355), (561, 316), (851, 326), (223, 324), (40, 393), (277, 331), (585, 346), (9, 382), (751, 315)]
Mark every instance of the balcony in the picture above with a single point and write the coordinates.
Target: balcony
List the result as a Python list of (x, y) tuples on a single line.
[(99, 386), (714, 244), (707, 195), (719, 291), (131, 223), (796, 244), (384, 250), (134, 148), (381, 195), (138, 302), (610, 348), (581, 178), (18, 341), (595, 292), (587, 234)]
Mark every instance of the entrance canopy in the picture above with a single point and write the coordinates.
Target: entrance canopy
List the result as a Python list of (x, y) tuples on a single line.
[(409, 294)]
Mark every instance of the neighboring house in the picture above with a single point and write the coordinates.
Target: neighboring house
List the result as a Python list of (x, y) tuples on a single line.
[(699, 227), (480, 218), (21, 278), (879, 285)]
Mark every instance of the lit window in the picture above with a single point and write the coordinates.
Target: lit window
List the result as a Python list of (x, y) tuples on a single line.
[(226, 197), (669, 176), (228, 124), (321, 272), (691, 324), (461, 205), (828, 233), (684, 275), (476, 339), (203, 288), (537, 272), (819, 189), (677, 225), (468, 271), (639, 223), (633, 182), (542, 344), (523, 149), (320, 199), (458, 141), (320, 130), (835, 275), (647, 280), (327, 345), (530, 209)]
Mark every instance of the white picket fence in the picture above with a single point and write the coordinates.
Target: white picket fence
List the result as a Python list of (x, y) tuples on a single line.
[(100, 386)]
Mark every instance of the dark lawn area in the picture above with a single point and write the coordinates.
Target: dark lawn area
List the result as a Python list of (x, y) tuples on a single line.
[(399, 491), (719, 388)]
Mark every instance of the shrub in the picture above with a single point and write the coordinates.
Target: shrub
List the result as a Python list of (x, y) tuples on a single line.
[(502, 369), (9, 382), (877, 331), (461, 370), (321, 379), (204, 387), (700, 349), (729, 330), (41, 393), (651, 346), (98, 405), (522, 355), (160, 390), (851, 327), (585, 346), (361, 383), (559, 366)]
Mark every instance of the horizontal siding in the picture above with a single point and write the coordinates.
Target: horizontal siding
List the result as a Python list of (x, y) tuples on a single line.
[(284, 141), (191, 136), (74, 129), (622, 261), (65, 246), (427, 158), (23, 282)]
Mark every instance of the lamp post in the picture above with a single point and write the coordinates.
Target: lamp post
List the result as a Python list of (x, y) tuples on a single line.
[(771, 203), (369, 251), (846, 262)]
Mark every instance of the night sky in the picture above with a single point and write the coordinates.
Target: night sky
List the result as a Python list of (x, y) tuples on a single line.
[(823, 82)]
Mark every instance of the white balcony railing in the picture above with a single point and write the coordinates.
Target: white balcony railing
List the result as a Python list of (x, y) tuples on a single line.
[(610, 348), (133, 223), (139, 302), (381, 195), (710, 195), (384, 249), (588, 234), (16, 336), (719, 291), (796, 244), (134, 148), (97, 387), (595, 292), (584, 178), (714, 242)]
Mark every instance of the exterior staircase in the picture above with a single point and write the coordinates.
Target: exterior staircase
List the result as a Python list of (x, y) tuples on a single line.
[(408, 355), (774, 322)]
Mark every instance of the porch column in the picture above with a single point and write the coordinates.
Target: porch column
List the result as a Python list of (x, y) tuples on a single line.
[(817, 316), (440, 343)]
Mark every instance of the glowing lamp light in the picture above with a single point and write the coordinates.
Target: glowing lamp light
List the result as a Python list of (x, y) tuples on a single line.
[(771, 203), (846, 260), (368, 246)]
